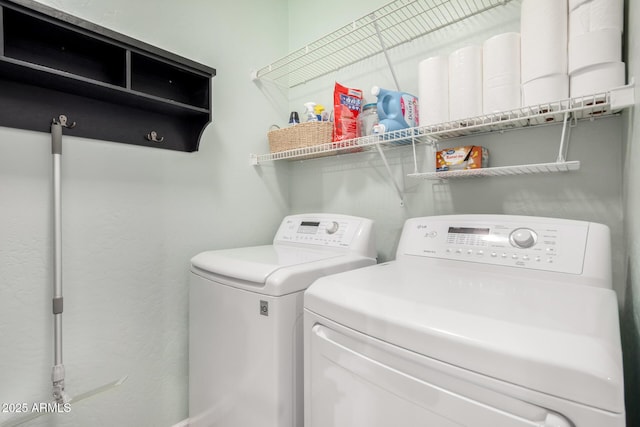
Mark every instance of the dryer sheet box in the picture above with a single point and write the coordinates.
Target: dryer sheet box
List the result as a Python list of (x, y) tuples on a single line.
[(462, 158)]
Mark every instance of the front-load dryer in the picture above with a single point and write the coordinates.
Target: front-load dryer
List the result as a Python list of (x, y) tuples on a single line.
[(245, 314), (481, 321)]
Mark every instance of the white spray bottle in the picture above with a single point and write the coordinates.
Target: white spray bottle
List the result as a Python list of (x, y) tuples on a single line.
[(310, 113)]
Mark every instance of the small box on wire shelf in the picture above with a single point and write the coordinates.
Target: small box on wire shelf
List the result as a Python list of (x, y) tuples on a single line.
[(462, 158), (302, 136)]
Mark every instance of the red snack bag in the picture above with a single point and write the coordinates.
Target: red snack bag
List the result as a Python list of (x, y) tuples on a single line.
[(346, 109)]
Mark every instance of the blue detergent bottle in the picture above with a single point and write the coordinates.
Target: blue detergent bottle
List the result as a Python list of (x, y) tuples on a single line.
[(396, 110)]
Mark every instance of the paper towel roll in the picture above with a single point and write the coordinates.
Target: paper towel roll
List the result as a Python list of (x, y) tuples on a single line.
[(433, 90), (543, 25), (465, 83), (597, 79), (545, 89), (606, 14), (596, 15), (579, 21), (501, 73), (573, 4), (595, 47)]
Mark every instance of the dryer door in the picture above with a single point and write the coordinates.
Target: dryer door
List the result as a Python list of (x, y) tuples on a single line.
[(357, 381)]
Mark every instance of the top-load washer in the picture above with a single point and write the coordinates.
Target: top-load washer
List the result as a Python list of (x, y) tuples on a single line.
[(245, 314), (482, 320)]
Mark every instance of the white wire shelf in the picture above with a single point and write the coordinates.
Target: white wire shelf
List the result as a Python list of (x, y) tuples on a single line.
[(348, 146), (396, 23), (501, 171), (586, 107)]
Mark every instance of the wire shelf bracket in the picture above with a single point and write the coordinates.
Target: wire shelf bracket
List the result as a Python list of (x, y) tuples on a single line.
[(560, 165)]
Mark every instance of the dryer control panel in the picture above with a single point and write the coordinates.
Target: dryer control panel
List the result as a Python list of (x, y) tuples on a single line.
[(526, 242)]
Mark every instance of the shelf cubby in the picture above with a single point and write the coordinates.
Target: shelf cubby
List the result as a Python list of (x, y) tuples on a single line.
[(115, 88)]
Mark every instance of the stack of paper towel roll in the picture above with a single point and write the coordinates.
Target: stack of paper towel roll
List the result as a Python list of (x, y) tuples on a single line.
[(501, 73), (465, 83), (450, 86), (543, 29), (565, 48), (595, 46), (471, 81), (433, 90)]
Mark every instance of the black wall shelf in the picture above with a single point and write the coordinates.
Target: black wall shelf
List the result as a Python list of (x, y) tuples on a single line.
[(115, 88)]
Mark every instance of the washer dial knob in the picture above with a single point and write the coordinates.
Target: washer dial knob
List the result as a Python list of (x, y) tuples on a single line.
[(332, 227), (523, 238)]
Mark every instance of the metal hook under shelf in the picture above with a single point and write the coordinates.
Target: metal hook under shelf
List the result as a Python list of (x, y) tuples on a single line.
[(153, 136), (63, 121)]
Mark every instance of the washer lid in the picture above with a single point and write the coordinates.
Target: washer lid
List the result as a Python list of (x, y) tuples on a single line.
[(556, 338), (256, 263), (274, 269)]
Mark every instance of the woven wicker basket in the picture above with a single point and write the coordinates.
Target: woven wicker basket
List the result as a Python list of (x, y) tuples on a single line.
[(302, 135)]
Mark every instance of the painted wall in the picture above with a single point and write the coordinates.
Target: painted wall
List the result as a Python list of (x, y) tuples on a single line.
[(630, 317), (133, 217)]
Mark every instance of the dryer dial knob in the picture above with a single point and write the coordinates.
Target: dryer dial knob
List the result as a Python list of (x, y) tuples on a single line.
[(523, 238), (332, 227)]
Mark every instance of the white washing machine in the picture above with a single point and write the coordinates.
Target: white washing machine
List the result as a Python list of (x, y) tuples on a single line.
[(245, 314), (482, 320)]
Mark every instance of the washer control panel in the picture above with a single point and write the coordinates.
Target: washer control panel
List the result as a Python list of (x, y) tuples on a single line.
[(525, 242), (322, 231)]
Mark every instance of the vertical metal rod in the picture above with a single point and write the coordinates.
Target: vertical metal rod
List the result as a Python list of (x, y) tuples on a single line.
[(56, 150), (395, 79), (57, 374), (563, 139), (386, 164), (415, 156), (384, 49)]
